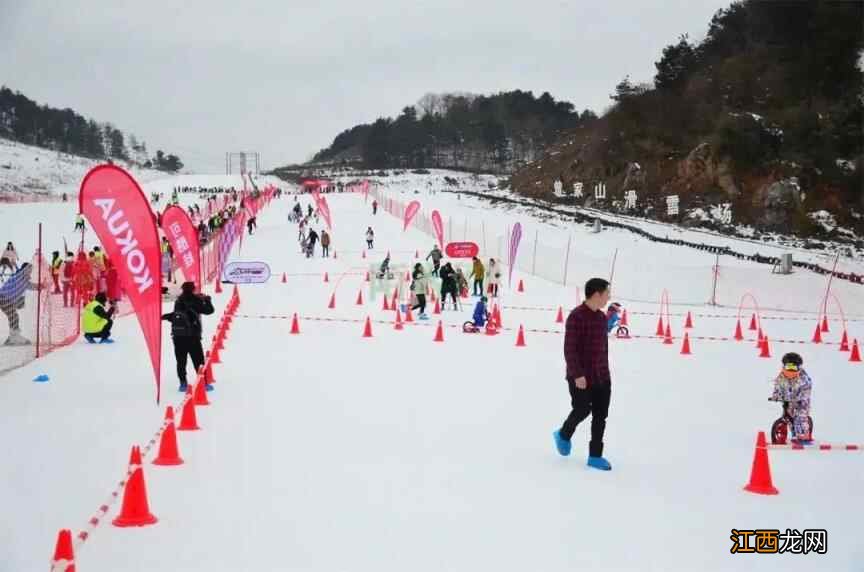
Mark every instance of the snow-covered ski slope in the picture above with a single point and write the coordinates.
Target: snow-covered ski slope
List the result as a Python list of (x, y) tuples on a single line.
[(327, 451)]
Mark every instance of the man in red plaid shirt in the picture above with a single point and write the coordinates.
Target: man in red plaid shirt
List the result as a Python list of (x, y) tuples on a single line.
[(586, 352)]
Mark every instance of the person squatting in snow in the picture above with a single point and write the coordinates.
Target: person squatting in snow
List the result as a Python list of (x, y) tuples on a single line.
[(96, 321), (793, 386), (481, 314)]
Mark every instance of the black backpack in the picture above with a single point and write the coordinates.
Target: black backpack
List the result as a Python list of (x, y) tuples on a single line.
[(185, 322)]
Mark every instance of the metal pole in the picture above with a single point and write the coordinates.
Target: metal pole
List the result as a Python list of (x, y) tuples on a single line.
[(716, 276), (828, 289), (534, 262), (39, 292), (483, 225), (567, 259), (614, 260)]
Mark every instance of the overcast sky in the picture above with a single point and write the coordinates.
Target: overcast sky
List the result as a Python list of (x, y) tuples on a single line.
[(283, 78)]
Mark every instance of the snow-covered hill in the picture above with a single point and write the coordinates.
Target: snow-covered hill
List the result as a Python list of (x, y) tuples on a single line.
[(34, 173)]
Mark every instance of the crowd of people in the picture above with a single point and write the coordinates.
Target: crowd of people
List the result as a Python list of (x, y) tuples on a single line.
[(308, 237)]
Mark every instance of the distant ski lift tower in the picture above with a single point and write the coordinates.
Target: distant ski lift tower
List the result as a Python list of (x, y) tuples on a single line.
[(242, 162)]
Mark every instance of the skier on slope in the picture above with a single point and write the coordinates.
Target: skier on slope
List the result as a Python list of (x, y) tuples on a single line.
[(370, 238), (436, 256)]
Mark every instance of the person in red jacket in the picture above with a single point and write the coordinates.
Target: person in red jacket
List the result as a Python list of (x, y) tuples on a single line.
[(586, 353), (68, 277)]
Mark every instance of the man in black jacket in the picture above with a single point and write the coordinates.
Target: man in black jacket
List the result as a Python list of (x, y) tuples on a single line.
[(186, 329)]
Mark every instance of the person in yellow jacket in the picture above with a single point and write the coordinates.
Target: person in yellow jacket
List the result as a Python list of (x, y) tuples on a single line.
[(96, 321), (478, 271)]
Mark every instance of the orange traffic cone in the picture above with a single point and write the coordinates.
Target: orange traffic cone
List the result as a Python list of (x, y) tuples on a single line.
[(398, 325), (409, 317), (360, 298), (559, 319), (760, 474), (496, 315), (685, 347), (169, 414), (825, 323), (855, 356), (407, 276), (64, 555), (753, 322), (439, 332), (168, 451), (520, 338), (295, 324), (844, 342), (367, 329), (521, 287), (739, 335), (201, 390), (385, 306), (689, 322), (765, 349), (135, 456), (416, 254), (218, 286), (364, 254), (213, 357), (335, 256), (759, 337), (367, 276), (667, 336), (659, 331), (332, 303), (817, 334), (326, 277), (437, 308), (284, 278), (135, 510), (624, 321), (188, 420)]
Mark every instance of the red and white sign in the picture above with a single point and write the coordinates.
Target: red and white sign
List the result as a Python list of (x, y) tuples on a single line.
[(183, 238), (119, 214), (462, 250)]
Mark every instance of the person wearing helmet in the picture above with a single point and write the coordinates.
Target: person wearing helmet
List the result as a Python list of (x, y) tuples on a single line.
[(793, 386)]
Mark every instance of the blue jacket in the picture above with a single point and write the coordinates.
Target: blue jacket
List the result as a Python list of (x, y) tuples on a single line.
[(612, 321), (480, 314)]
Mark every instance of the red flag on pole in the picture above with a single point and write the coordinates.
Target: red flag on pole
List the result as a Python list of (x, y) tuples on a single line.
[(119, 214), (183, 238)]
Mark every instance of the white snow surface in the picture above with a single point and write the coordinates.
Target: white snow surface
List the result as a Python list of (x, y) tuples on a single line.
[(326, 451)]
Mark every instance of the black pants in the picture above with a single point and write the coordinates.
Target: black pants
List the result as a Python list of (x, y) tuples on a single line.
[(325, 251), (104, 334), (436, 266), (452, 294), (187, 346), (369, 244), (593, 400), (478, 286), (421, 303)]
